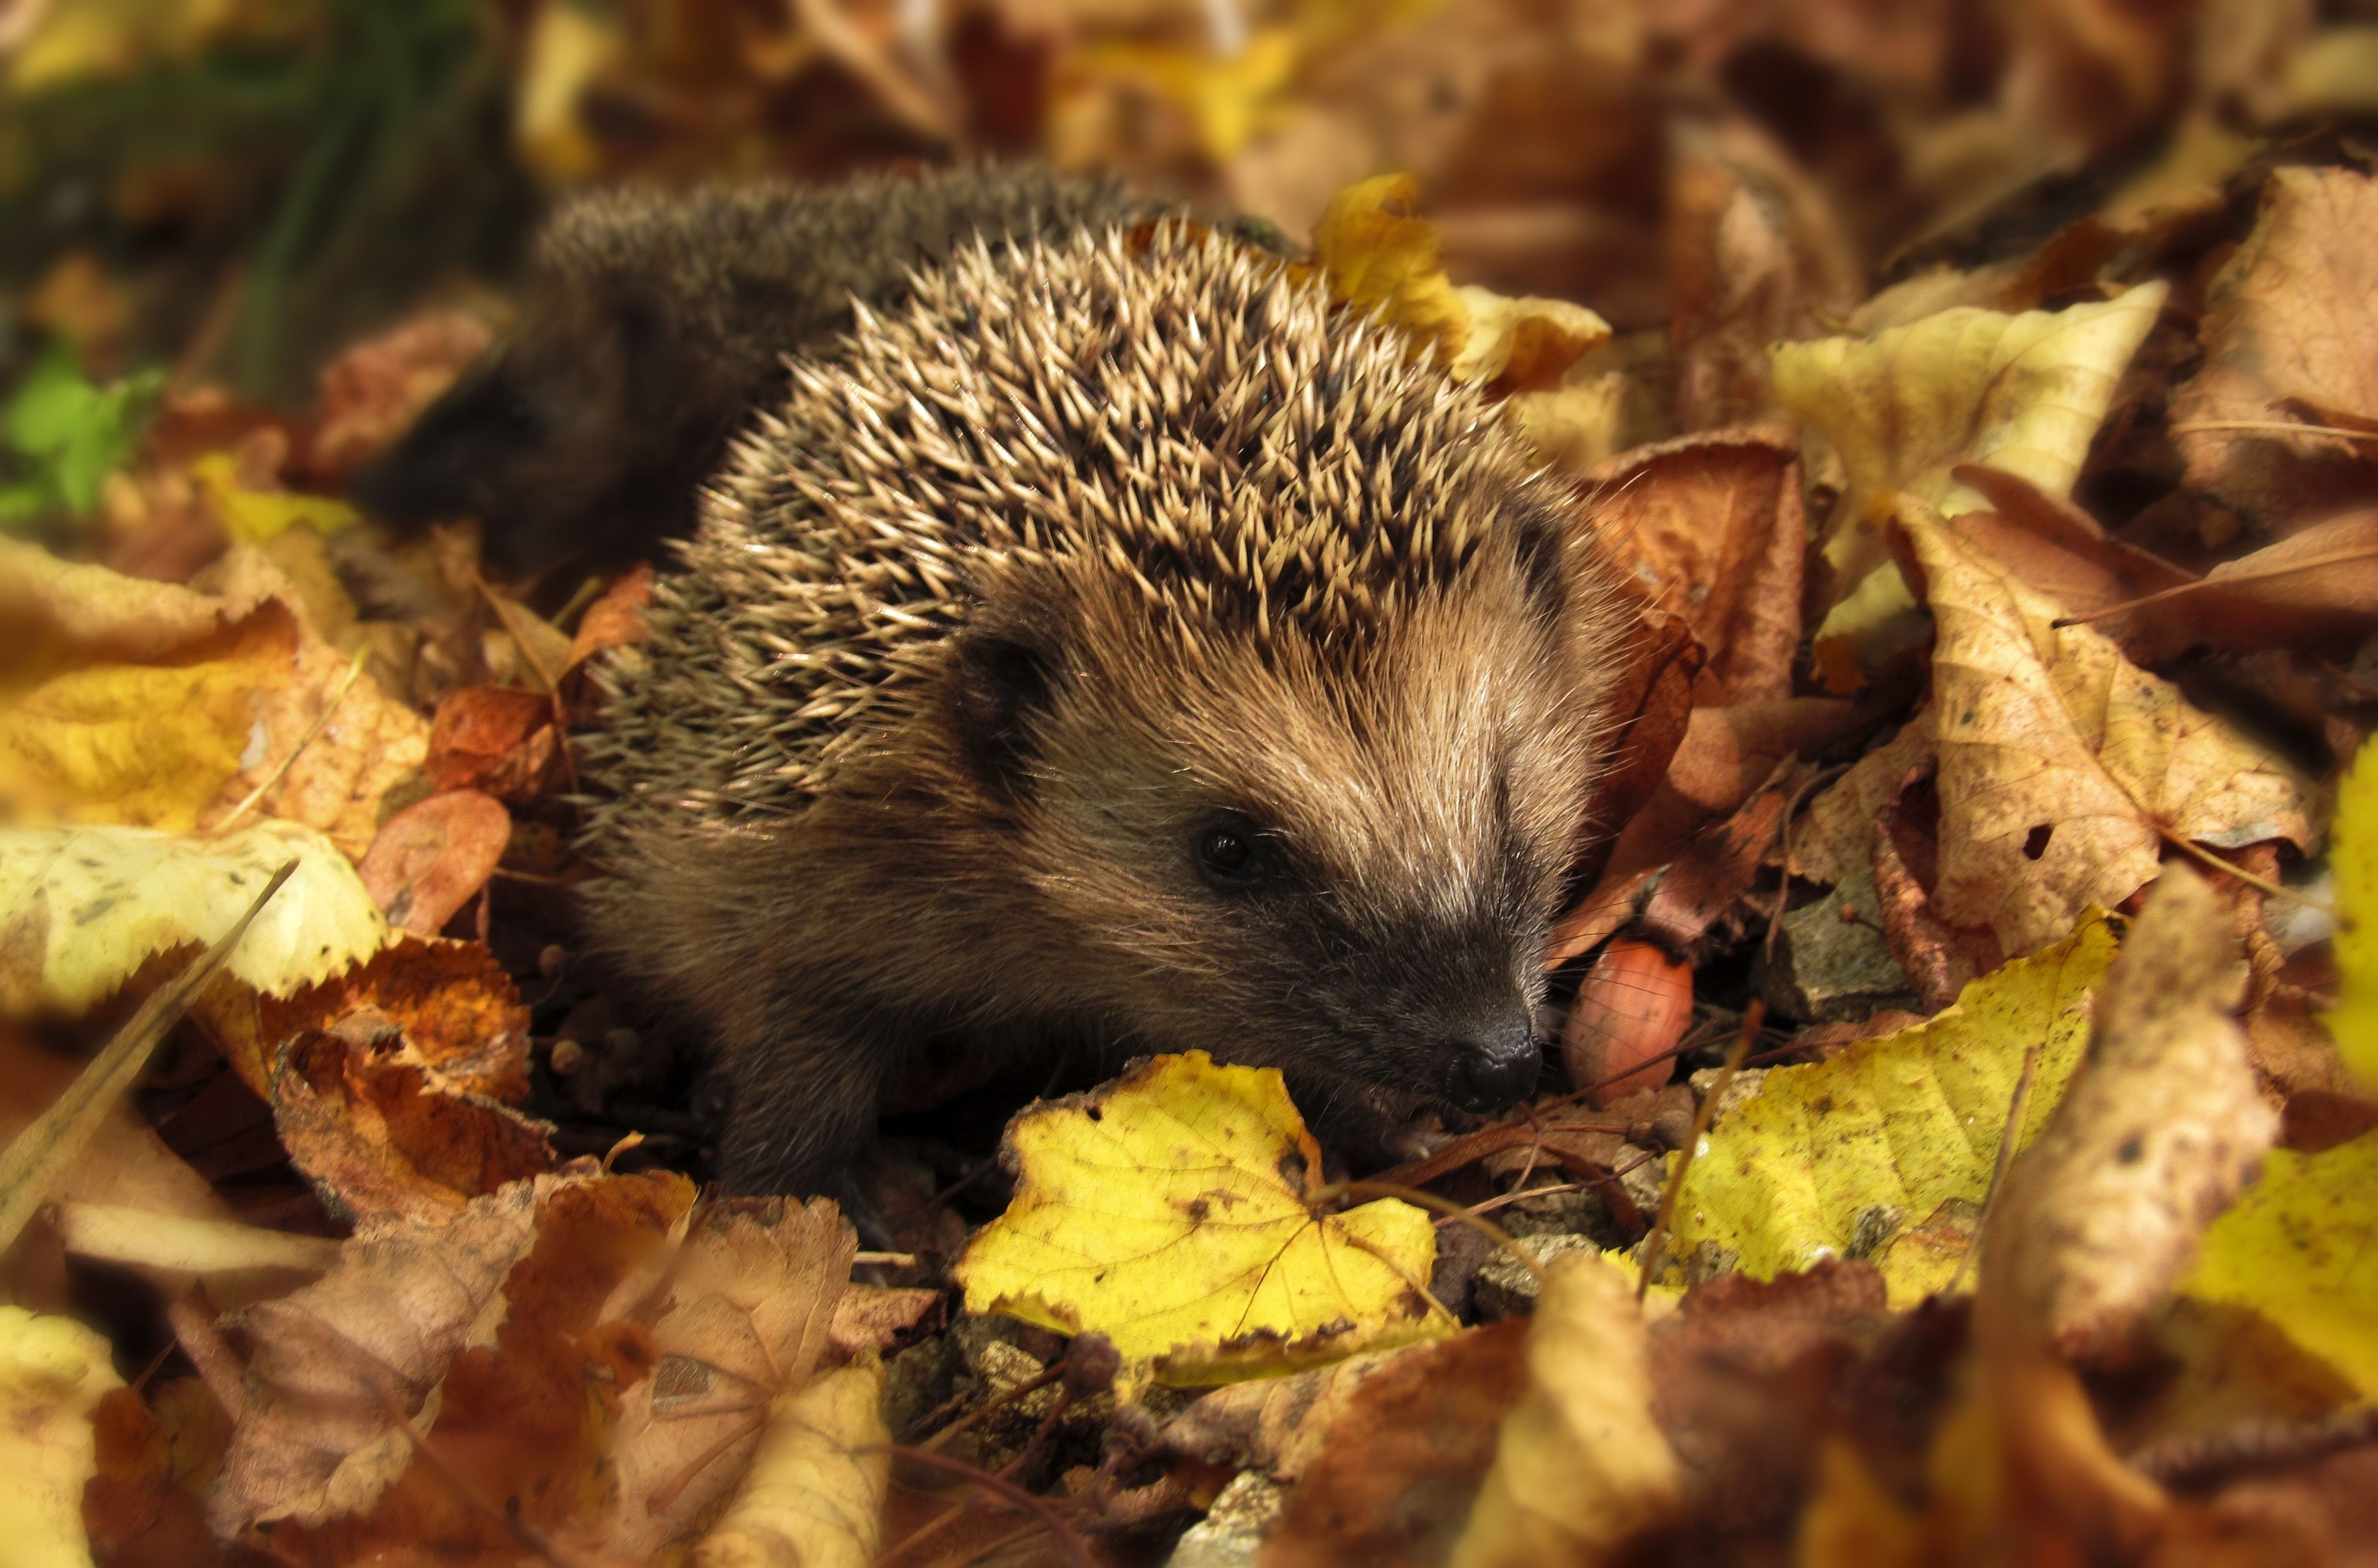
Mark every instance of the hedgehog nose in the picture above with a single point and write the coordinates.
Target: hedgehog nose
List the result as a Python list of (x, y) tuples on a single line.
[(1495, 1063)]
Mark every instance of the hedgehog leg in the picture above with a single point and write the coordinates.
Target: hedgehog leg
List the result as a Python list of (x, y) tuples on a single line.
[(806, 1094)]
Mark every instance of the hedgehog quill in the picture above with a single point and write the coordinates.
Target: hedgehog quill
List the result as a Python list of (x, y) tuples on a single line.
[(1112, 647)]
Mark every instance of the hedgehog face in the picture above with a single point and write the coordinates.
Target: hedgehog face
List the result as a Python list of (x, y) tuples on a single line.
[(1341, 861)]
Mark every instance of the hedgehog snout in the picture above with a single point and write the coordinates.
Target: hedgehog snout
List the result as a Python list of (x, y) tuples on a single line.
[(1495, 1063)]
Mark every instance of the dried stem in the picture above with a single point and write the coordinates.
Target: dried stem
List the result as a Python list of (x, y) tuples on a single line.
[(1654, 1243)]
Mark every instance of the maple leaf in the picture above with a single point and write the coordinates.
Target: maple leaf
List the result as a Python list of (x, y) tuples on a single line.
[(814, 1494), (1171, 1213), (744, 1316)]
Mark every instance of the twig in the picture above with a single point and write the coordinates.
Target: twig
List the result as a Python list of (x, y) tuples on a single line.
[(855, 53), (2007, 1136), (1513, 1196), (321, 721), (2252, 880), (1077, 1549), (886, 1259), (2273, 428), (1046, 1376), (32, 1163), (1655, 1242)]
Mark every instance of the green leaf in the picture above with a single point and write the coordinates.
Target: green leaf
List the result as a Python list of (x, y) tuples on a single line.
[(50, 405)]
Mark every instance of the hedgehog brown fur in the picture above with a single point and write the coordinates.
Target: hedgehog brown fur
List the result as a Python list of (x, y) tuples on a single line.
[(655, 322), (1116, 647)]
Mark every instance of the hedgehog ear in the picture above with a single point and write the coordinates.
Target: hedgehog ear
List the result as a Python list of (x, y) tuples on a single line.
[(1002, 674)]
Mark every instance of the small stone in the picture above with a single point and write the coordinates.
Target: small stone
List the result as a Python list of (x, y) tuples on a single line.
[(1557, 1214), (550, 958), (1832, 962), (1744, 1088), (568, 1059), (1505, 1288), (1232, 1530), (1646, 1180)]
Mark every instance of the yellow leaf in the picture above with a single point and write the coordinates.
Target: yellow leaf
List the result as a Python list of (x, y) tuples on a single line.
[(1170, 1212), (1581, 1468), (2353, 857), (254, 515), (82, 909), (2024, 393), (147, 744), (1523, 345), (52, 1371), (2301, 1247), (569, 47), (1380, 255), (157, 706), (1894, 1127), (814, 1494)]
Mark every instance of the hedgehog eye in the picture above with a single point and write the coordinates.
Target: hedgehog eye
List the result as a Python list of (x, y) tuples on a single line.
[(1230, 852)]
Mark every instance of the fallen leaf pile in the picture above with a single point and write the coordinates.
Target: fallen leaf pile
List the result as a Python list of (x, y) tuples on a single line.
[(1961, 1146)]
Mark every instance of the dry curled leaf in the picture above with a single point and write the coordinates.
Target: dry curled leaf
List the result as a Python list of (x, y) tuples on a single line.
[(1710, 527), (745, 1312), (2287, 341), (498, 740), (814, 1495), (1581, 1470), (433, 856), (2063, 766), (2153, 1139)]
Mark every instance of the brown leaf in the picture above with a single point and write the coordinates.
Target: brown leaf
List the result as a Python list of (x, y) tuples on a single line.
[(372, 392), (385, 1137), (1397, 1465), (2317, 589), (2061, 764), (617, 619), (432, 857), (453, 1004), (744, 1317), (1746, 1370), (500, 740), (2287, 339), (1756, 256), (314, 1440), (340, 779), (1710, 527), (2156, 1134), (2049, 542), (1723, 756), (1650, 703)]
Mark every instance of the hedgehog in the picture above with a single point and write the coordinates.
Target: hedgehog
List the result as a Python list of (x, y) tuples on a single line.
[(1115, 648), (654, 323)]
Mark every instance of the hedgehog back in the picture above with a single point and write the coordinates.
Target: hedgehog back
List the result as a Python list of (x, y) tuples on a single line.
[(1186, 409)]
